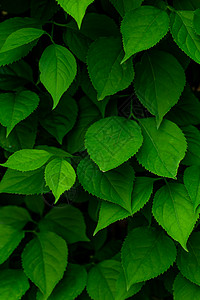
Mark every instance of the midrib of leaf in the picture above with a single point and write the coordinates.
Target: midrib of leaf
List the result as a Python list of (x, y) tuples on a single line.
[(104, 279), (154, 78), (43, 265)]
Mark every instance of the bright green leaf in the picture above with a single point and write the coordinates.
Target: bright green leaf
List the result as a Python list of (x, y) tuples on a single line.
[(159, 82), (114, 186), (144, 254), (142, 28), (58, 69), (185, 289), (14, 216), (75, 8), (14, 284), (192, 183), (112, 141), (173, 210), (108, 76), (44, 260), (163, 148), (15, 107), (60, 176)]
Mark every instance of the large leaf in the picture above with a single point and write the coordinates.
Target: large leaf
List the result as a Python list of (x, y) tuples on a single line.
[(14, 216), (144, 254), (110, 212), (173, 210), (27, 160), (184, 33), (14, 284), (60, 176), (10, 237), (185, 289), (114, 186), (192, 183), (61, 120), (112, 141), (15, 107), (124, 6), (159, 82), (67, 221), (72, 284), (192, 156), (24, 183), (142, 28), (189, 262), (75, 8), (44, 260), (163, 148), (58, 70), (108, 76)]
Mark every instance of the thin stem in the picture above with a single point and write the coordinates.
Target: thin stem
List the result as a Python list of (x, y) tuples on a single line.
[(50, 38), (58, 24)]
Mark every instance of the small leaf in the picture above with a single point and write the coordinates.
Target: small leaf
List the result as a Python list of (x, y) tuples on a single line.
[(72, 284), (114, 186), (67, 221), (184, 34), (163, 148), (10, 238), (58, 69), (185, 289), (173, 210), (44, 260), (75, 8), (142, 28), (21, 37), (15, 107), (112, 141), (27, 160), (23, 183), (14, 216), (14, 284), (189, 262), (192, 183), (192, 156), (145, 258), (60, 176), (108, 76), (159, 82)]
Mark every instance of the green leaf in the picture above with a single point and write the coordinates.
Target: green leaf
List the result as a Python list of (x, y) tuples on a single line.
[(184, 34), (72, 284), (15, 75), (15, 107), (163, 148), (192, 156), (24, 183), (35, 203), (61, 120), (145, 258), (10, 238), (142, 28), (196, 21), (114, 186), (112, 141), (108, 76), (185, 289), (67, 221), (173, 210), (110, 212), (43, 9), (6, 29), (55, 151), (14, 284), (60, 176), (189, 262), (61, 64), (187, 110), (102, 279), (27, 160), (14, 216), (21, 37), (75, 8), (124, 6), (185, 4), (192, 183), (159, 82), (44, 260)]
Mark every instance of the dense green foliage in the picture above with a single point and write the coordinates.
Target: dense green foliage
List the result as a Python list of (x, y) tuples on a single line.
[(99, 149)]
